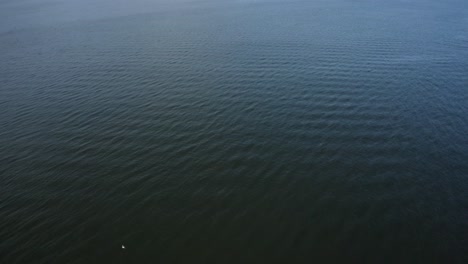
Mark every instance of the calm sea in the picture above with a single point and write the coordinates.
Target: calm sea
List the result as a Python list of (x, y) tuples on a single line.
[(224, 131)]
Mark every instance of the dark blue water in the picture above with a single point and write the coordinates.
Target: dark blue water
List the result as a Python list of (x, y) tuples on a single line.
[(268, 131)]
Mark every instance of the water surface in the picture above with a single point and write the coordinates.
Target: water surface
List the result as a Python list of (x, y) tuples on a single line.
[(268, 131)]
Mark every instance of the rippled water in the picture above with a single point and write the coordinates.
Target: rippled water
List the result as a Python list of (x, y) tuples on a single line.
[(233, 131)]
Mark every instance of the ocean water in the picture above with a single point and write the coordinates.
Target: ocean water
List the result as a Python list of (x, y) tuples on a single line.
[(223, 131)]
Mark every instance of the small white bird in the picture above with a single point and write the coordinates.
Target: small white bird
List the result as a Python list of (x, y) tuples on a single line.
[(123, 247)]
